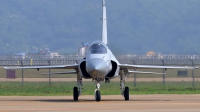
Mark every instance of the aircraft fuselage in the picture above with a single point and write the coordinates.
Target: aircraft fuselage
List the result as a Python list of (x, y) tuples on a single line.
[(98, 60)]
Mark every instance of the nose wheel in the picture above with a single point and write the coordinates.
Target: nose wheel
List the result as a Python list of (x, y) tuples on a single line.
[(97, 92), (97, 95)]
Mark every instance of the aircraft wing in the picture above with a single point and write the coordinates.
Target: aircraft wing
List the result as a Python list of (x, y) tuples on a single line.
[(75, 66), (127, 66)]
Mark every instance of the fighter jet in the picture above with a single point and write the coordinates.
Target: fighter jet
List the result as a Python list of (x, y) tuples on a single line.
[(100, 65)]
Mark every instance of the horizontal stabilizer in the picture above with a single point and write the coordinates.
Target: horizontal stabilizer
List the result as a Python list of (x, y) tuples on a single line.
[(141, 72), (70, 72)]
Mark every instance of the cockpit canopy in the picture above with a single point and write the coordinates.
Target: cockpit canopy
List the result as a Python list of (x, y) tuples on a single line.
[(97, 48)]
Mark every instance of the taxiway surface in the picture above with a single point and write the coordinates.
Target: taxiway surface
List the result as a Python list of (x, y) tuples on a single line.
[(112, 103)]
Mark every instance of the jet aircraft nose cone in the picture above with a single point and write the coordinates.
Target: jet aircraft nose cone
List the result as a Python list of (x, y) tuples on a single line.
[(97, 68)]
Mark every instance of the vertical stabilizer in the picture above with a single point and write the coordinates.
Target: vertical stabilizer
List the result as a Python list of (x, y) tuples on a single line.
[(104, 27)]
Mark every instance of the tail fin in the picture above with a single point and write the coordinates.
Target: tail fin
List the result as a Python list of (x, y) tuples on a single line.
[(104, 27)]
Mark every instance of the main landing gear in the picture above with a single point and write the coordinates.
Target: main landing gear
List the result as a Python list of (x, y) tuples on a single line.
[(77, 90), (124, 90)]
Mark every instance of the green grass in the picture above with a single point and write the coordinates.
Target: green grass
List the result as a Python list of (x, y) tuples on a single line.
[(66, 88)]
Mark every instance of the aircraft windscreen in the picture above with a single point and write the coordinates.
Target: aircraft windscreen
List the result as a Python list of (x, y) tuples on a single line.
[(97, 49)]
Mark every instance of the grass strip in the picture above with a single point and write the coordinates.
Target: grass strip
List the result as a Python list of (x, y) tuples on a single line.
[(113, 88)]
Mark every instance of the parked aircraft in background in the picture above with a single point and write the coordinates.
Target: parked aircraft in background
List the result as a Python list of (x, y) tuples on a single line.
[(101, 65)]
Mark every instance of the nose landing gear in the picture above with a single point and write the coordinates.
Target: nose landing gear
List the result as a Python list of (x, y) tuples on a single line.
[(97, 91)]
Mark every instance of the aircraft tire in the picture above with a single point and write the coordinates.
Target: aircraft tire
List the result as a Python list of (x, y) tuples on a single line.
[(98, 95), (126, 93), (75, 94)]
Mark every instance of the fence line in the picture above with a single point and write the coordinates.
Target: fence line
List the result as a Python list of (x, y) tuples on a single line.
[(179, 60)]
